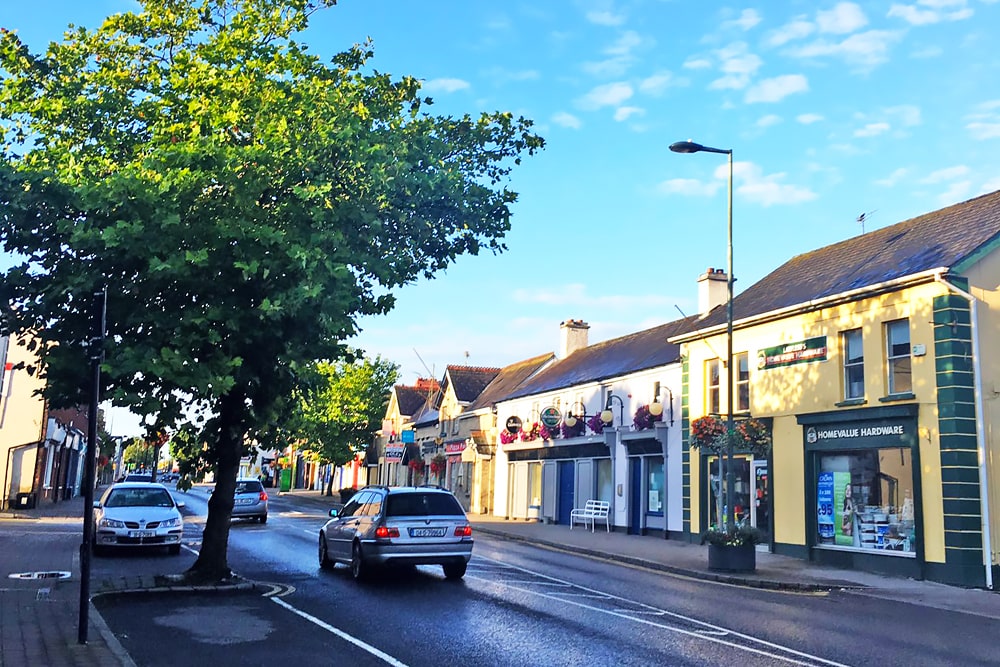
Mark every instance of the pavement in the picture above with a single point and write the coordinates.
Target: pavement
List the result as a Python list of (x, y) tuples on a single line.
[(39, 620)]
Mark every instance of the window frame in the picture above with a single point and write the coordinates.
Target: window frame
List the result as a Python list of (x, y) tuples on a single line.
[(742, 385), (713, 392), (893, 362), (852, 364)]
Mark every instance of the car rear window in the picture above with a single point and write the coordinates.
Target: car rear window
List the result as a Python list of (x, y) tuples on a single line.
[(252, 486), (421, 504)]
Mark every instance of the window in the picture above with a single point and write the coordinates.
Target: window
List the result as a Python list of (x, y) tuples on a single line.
[(897, 338), (655, 485), (605, 483), (854, 364), (712, 386), (535, 484), (742, 382)]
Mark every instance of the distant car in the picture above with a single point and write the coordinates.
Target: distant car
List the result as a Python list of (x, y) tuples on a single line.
[(138, 477), (137, 514), (409, 525), (250, 500)]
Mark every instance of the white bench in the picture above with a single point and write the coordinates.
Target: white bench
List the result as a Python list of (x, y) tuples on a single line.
[(592, 512)]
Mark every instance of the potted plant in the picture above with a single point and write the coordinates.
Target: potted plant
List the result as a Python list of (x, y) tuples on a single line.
[(417, 466), (547, 433), (438, 465), (644, 419), (733, 550), (574, 431), (531, 433), (595, 424), (506, 437)]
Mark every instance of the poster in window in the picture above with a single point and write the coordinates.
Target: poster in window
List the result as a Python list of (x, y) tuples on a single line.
[(843, 504), (824, 506)]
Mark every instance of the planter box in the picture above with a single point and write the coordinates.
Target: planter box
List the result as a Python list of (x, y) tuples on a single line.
[(722, 558)]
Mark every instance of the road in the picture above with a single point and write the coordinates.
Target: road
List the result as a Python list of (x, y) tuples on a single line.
[(518, 605)]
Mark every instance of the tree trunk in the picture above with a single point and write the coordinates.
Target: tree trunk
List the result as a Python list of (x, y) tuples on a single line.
[(329, 484), (213, 564)]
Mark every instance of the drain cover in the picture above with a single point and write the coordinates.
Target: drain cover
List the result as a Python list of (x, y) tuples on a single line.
[(39, 575)]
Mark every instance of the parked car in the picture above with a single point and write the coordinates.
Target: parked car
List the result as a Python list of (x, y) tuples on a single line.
[(138, 477), (250, 500), (137, 514), (383, 525)]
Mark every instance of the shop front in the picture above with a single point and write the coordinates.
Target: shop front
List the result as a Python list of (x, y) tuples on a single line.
[(653, 493), (863, 489)]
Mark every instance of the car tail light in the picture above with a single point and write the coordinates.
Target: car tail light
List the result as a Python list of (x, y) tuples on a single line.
[(385, 532), (463, 531), (263, 496)]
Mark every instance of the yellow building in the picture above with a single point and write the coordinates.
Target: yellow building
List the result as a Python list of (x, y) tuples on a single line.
[(875, 364)]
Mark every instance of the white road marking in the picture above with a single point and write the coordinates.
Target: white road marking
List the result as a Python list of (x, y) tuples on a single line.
[(708, 629), (385, 657)]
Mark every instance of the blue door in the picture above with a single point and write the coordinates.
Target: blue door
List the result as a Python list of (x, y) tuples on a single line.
[(635, 496), (567, 482)]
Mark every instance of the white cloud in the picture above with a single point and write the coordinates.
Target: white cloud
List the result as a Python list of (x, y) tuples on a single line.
[(865, 48), (892, 179), (809, 118), (656, 84), (907, 114), (567, 120), (946, 174), (956, 192), (697, 63), (747, 20), (624, 113), (737, 65), (984, 122), (628, 41), (872, 130), (991, 185), (798, 28), (689, 186), (931, 12), (612, 67), (980, 130), (768, 120), (445, 85), (845, 17), (764, 190), (605, 18), (776, 88), (609, 94)]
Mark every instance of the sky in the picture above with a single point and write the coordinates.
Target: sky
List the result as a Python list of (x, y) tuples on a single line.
[(842, 117)]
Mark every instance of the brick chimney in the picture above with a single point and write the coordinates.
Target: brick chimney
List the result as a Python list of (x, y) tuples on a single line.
[(572, 337), (713, 290)]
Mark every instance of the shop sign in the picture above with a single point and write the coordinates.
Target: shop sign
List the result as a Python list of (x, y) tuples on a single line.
[(854, 432), (550, 416), (513, 424), (394, 454), (408, 436), (808, 350), (454, 447), (428, 447)]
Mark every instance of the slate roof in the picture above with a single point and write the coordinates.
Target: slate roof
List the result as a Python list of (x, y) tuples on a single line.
[(468, 381), (508, 379), (410, 399), (611, 358), (942, 238)]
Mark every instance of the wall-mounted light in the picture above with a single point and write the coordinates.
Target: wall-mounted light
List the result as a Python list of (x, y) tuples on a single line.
[(656, 408), (607, 416)]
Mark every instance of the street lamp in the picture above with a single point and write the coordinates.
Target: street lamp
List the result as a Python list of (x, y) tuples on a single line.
[(691, 147), (607, 416)]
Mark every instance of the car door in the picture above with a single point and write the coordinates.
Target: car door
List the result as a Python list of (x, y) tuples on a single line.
[(340, 532)]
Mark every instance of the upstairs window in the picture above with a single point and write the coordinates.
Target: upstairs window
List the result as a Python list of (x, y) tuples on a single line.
[(854, 364), (712, 376), (742, 363), (898, 365)]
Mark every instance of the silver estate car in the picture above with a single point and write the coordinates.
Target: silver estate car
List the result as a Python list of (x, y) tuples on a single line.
[(250, 500), (404, 525)]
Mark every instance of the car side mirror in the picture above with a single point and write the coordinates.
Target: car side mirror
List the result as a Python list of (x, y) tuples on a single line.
[(180, 504), (334, 513), (97, 504)]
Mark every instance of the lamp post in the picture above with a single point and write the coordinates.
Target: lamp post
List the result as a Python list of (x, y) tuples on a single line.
[(691, 147)]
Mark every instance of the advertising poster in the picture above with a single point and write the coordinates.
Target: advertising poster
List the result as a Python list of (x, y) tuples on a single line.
[(824, 506), (843, 505)]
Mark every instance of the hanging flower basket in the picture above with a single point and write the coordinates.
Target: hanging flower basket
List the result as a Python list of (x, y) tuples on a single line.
[(438, 464), (417, 466), (575, 431), (595, 424), (506, 437), (644, 419), (749, 435), (531, 433), (547, 433)]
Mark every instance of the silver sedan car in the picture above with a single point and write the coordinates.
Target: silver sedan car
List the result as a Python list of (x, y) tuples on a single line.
[(384, 525), (137, 514)]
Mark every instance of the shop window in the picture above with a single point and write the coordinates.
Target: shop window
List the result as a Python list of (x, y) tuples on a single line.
[(535, 484), (854, 364), (865, 500), (655, 481), (712, 377), (742, 382), (897, 338), (717, 491), (605, 483)]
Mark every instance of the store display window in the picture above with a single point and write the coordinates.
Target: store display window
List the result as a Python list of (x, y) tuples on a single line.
[(865, 500), (655, 485)]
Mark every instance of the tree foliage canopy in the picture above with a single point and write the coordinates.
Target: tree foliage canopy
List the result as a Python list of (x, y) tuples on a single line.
[(243, 201)]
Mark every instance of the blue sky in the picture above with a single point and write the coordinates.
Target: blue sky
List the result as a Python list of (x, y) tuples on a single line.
[(832, 109)]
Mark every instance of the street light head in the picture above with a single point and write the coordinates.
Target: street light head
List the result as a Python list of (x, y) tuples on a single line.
[(686, 147)]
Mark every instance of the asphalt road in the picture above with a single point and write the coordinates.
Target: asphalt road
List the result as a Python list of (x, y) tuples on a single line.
[(518, 605)]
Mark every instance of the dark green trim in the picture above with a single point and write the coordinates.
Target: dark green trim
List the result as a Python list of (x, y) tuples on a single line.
[(793, 550), (685, 449), (964, 458), (835, 416), (967, 475), (851, 402), (858, 560), (960, 490), (969, 575), (963, 523), (892, 398), (964, 540), (961, 506)]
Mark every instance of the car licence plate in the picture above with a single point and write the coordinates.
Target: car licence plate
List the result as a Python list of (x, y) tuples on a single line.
[(244, 501), (426, 532), (142, 533)]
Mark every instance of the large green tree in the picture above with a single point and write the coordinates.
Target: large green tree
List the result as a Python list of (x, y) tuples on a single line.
[(243, 200), (339, 412)]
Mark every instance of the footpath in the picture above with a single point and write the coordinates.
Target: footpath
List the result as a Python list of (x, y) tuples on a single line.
[(39, 619)]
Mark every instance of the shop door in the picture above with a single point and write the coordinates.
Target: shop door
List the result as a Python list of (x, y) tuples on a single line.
[(760, 508), (567, 481), (717, 488), (635, 497)]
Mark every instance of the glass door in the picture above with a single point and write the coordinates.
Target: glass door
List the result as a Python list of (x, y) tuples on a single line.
[(717, 501)]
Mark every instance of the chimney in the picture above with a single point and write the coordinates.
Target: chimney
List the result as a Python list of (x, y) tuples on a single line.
[(713, 290), (572, 337)]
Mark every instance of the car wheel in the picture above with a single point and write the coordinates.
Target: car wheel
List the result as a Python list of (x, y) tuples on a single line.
[(262, 518), (455, 570), (324, 555), (359, 569)]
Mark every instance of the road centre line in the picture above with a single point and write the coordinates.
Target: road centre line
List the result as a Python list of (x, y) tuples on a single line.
[(701, 634), (385, 657)]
